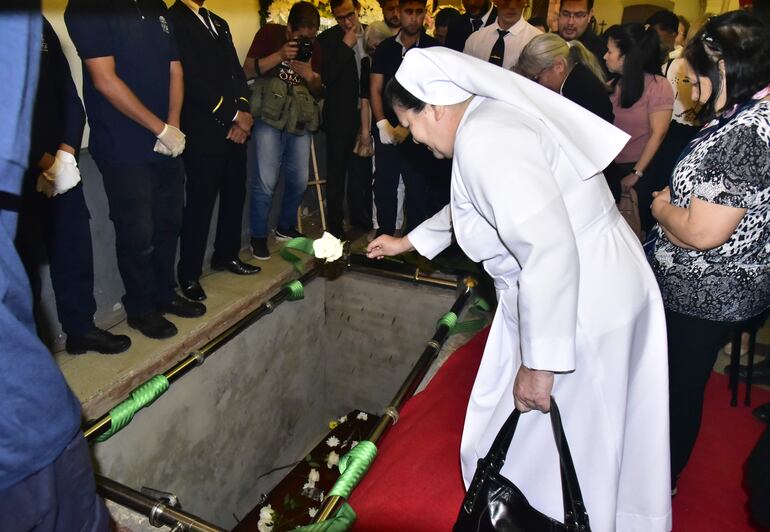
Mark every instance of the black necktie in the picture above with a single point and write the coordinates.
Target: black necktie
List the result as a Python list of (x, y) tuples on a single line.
[(498, 50), (476, 23), (203, 12)]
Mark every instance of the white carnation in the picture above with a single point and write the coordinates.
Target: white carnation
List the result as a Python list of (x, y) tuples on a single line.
[(333, 441), (362, 415)]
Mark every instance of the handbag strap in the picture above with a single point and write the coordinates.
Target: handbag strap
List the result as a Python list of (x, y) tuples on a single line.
[(575, 515)]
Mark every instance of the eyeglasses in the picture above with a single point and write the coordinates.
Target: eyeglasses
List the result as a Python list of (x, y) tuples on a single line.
[(343, 18), (536, 77), (577, 15)]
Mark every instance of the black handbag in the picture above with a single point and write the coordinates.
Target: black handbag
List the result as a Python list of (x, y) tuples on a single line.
[(494, 503)]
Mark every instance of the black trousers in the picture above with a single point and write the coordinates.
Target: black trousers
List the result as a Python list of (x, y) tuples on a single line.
[(340, 142), (407, 161), (360, 192), (209, 175), (146, 208), (693, 345), (57, 230)]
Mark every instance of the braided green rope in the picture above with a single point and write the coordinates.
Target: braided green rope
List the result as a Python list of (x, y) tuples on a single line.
[(303, 244), (144, 395), (449, 319), (296, 290), (339, 523), (353, 466)]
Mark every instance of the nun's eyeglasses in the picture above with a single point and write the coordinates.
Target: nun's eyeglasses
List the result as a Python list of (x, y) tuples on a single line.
[(536, 77)]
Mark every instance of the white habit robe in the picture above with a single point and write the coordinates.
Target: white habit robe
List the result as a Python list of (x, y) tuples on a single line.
[(577, 297)]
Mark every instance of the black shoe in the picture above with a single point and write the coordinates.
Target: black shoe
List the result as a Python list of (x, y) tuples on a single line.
[(235, 266), (98, 340), (762, 412), (179, 306), (760, 375), (259, 249), (192, 290), (282, 233), (152, 325)]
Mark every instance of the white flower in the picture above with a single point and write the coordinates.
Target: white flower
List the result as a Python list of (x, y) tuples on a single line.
[(312, 511), (314, 476), (332, 460), (343, 419), (327, 247), (307, 486), (266, 519), (333, 441), (362, 415), (353, 444)]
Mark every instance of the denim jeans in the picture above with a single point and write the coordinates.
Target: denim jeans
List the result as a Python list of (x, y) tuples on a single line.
[(277, 153)]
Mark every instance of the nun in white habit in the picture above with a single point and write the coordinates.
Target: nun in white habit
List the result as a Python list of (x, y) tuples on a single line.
[(579, 316)]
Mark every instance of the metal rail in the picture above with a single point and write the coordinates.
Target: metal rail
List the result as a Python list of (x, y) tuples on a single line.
[(396, 270), (391, 412), (196, 358), (158, 513)]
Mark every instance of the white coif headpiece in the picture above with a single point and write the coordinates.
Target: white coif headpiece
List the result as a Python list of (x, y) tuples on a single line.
[(440, 76)]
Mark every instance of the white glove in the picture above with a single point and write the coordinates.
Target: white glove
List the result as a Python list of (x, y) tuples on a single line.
[(170, 141), (400, 134), (387, 132), (61, 176)]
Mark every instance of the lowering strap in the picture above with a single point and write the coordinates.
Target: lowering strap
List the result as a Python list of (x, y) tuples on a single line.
[(303, 244)]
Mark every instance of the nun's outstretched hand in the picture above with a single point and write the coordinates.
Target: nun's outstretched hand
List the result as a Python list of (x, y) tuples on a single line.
[(532, 389), (387, 246)]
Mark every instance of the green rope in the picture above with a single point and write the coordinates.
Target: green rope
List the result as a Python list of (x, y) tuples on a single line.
[(480, 307), (449, 319), (296, 290), (353, 466), (339, 523), (303, 244), (122, 414)]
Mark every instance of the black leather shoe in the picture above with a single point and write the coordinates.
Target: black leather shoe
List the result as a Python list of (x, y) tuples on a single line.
[(152, 325), (192, 290), (179, 306), (98, 340), (235, 266)]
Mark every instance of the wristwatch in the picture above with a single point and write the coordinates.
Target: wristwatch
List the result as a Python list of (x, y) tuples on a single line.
[(637, 173)]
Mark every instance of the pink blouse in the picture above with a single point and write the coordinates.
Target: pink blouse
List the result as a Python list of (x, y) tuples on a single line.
[(657, 96)]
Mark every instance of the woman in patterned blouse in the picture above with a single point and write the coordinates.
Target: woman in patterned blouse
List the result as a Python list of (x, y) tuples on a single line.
[(712, 255)]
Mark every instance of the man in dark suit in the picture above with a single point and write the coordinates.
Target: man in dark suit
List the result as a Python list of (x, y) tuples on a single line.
[(478, 13), (343, 49), (574, 22), (217, 120)]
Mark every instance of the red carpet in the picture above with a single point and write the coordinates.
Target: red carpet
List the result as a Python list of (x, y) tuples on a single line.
[(415, 484)]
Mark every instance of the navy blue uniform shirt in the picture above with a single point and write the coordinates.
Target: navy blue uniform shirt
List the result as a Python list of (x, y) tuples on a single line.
[(139, 35), (387, 59)]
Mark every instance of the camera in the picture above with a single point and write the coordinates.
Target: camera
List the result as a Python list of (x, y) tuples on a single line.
[(304, 50)]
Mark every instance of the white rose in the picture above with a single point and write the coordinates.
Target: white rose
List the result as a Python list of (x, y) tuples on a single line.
[(327, 247), (314, 476), (265, 523)]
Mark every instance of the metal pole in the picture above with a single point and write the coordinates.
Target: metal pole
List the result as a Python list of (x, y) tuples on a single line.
[(390, 415), (395, 270), (158, 513), (196, 358)]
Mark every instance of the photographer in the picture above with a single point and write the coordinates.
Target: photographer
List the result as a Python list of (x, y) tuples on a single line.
[(286, 63)]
